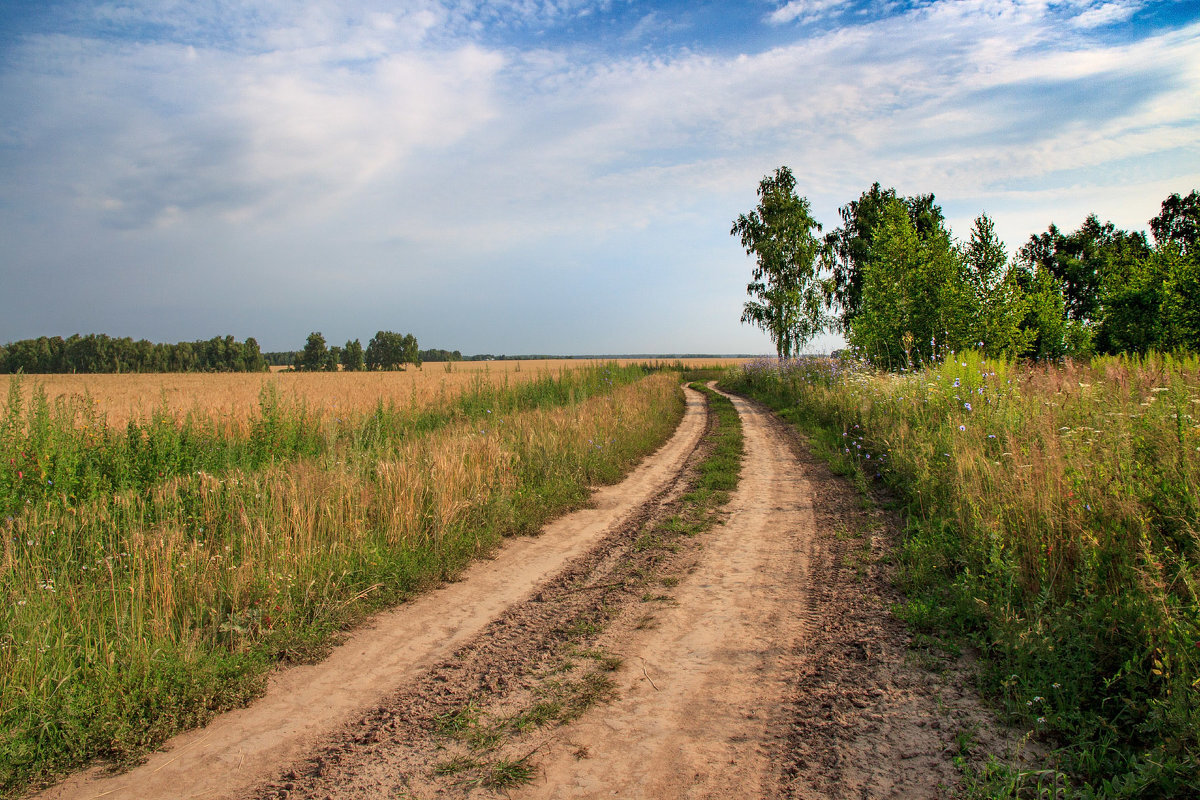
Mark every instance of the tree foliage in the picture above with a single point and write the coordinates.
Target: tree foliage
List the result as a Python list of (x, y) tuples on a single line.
[(352, 357), (916, 301), (98, 353), (849, 249), (786, 287), (388, 350), (903, 292), (315, 356)]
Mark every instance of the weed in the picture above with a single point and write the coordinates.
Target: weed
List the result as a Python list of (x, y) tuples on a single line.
[(506, 774), (1053, 521)]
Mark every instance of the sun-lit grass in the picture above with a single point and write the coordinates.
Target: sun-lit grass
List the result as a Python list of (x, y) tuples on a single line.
[(1055, 518), (132, 612), (234, 397)]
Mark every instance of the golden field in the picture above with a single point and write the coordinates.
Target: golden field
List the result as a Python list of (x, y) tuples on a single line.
[(235, 396)]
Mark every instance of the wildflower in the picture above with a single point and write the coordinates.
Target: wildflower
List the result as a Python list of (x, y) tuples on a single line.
[(967, 406), (1056, 686), (962, 427), (991, 436), (1041, 720)]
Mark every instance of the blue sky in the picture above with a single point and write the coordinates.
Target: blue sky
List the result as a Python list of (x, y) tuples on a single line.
[(553, 176)]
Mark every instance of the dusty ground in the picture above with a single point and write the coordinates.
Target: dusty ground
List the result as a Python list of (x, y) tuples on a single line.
[(633, 650)]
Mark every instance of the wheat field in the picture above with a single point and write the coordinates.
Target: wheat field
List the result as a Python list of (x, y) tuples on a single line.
[(235, 396)]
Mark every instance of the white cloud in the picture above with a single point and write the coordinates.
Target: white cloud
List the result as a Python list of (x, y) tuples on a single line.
[(1107, 13), (393, 135), (802, 11)]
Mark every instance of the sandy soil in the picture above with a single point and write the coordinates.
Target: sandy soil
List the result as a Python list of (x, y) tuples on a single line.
[(615, 657)]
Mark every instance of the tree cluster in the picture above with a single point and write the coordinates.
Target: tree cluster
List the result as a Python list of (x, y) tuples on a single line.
[(894, 280), (95, 353), (437, 354), (387, 350)]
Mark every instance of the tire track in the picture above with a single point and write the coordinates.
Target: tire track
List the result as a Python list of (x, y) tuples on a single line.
[(304, 705), (701, 714)]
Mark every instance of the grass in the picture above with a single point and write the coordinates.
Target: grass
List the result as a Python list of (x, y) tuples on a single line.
[(234, 398), (62, 452), (1053, 522), (140, 604)]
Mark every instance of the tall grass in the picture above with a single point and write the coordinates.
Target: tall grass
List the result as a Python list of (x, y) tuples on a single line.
[(132, 612), (233, 398), (63, 452), (1055, 519)]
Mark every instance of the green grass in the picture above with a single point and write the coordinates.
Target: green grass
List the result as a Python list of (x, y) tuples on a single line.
[(1053, 518), (148, 606), (63, 453)]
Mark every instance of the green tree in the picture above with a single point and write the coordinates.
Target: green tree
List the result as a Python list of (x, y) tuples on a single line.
[(1177, 260), (314, 355), (389, 350), (1000, 304), (786, 286), (1178, 223), (352, 357), (411, 350), (915, 300), (850, 248), (1085, 261), (332, 359)]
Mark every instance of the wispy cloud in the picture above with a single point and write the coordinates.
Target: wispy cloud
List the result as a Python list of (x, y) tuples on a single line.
[(374, 144), (802, 11), (1097, 15)]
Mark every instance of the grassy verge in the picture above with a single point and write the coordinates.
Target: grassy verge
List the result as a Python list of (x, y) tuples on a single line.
[(63, 453), (577, 674), (1052, 521), (130, 615)]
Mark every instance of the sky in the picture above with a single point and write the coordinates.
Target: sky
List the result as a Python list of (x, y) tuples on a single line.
[(540, 176)]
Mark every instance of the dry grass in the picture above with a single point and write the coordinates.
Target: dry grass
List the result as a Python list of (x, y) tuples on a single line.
[(129, 615), (235, 396), (1054, 514)]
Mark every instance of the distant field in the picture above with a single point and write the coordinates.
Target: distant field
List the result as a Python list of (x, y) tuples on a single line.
[(236, 395)]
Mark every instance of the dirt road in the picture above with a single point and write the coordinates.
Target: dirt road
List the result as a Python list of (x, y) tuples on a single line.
[(619, 654)]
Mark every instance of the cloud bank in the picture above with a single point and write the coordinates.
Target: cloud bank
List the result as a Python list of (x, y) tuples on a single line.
[(534, 176)]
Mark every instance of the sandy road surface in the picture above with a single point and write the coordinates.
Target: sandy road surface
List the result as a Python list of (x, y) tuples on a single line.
[(705, 717), (303, 704)]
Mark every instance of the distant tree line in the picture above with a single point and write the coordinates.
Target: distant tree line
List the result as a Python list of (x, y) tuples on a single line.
[(903, 291), (97, 352), (281, 358), (387, 350)]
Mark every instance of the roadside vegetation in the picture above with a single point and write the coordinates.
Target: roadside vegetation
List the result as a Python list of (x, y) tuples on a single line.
[(153, 575), (1047, 454), (1053, 523)]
